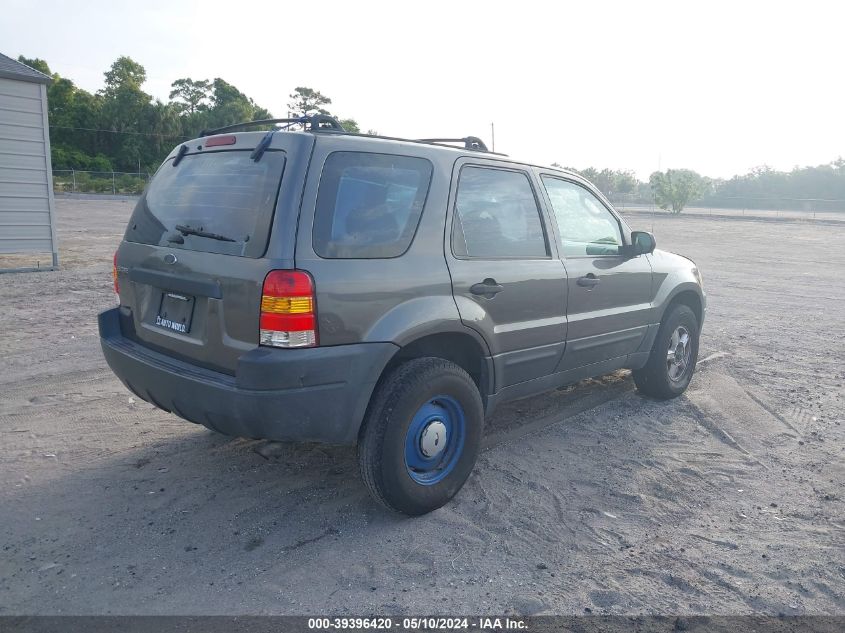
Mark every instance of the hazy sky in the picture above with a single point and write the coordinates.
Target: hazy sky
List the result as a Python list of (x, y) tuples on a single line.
[(718, 87)]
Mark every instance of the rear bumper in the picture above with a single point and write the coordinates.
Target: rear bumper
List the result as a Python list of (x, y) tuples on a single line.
[(318, 394)]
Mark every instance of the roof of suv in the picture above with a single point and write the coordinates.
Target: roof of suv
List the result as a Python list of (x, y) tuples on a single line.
[(326, 126), (442, 143)]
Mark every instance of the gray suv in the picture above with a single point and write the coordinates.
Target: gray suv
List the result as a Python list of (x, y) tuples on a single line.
[(322, 286)]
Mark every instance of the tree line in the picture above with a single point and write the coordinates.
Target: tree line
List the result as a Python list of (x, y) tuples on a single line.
[(122, 128), (820, 187)]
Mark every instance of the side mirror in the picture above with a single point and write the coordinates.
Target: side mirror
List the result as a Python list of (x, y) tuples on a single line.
[(642, 242)]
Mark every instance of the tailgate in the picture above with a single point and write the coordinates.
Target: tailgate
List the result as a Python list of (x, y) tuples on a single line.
[(192, 258)]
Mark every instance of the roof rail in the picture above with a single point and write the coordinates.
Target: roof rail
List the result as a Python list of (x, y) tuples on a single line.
[(316, 122), (470, 142)]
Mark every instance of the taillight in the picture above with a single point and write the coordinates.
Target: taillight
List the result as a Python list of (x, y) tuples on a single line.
[(114, 273), (288, 311)]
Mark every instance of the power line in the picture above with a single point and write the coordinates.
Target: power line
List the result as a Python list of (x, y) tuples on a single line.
[(91, 129)]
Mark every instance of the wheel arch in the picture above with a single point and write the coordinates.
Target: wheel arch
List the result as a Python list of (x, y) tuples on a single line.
[(460, 346), (690, 298)]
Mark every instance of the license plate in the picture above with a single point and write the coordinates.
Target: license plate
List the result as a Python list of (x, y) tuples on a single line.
[(175, 312)]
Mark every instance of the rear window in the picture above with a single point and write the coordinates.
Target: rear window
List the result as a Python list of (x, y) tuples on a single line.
[(217, 202), (369, 205)]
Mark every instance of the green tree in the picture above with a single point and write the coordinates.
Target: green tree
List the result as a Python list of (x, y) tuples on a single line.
[(121, 127), (223, 94), (766, 188), (73, 115), (623, 181), (350, 125), (192, 95), (611, 182), (307, 101), (125, 113), (125, 72), (38, 64), (229, 105), (675, 188)]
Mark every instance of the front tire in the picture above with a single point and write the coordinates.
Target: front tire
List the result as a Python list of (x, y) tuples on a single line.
[(421, 436), (671, 364)]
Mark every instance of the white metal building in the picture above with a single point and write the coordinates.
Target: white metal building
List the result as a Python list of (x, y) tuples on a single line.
[(27, 208)]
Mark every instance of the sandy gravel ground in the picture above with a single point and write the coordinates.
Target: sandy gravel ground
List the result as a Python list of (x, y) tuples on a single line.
[(589, 500)]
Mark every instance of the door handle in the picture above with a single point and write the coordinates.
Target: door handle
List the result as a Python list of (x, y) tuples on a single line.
[(487, 288), (588, 281)]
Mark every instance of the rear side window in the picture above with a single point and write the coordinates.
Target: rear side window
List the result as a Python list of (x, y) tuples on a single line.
[(496, 215), (369, 205), (217, 202)]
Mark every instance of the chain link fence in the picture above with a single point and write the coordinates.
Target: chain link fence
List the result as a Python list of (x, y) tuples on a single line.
[(107, 182), (737, 204), (698, 209)]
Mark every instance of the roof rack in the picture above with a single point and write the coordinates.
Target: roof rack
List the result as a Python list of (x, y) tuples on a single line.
[(326, 123), (316, 122), (470, 142)]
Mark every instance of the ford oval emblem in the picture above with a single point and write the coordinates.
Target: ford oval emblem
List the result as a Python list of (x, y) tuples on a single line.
[(170, 258)]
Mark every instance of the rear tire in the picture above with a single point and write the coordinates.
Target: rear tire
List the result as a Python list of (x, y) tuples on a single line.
[(674, 354), (421, 435)]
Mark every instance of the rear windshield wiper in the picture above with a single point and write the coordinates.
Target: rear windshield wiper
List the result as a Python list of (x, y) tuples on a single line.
[(188, 230), (262, 146)]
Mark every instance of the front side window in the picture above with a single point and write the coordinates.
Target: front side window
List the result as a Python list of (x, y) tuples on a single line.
[(369, 205), (496, 215), (586, 227)]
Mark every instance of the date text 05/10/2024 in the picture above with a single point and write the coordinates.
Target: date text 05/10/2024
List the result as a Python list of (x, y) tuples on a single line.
[(421, 623)]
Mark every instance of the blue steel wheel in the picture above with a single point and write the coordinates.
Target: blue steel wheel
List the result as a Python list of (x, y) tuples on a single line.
[(421, 435), (435, 440)]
